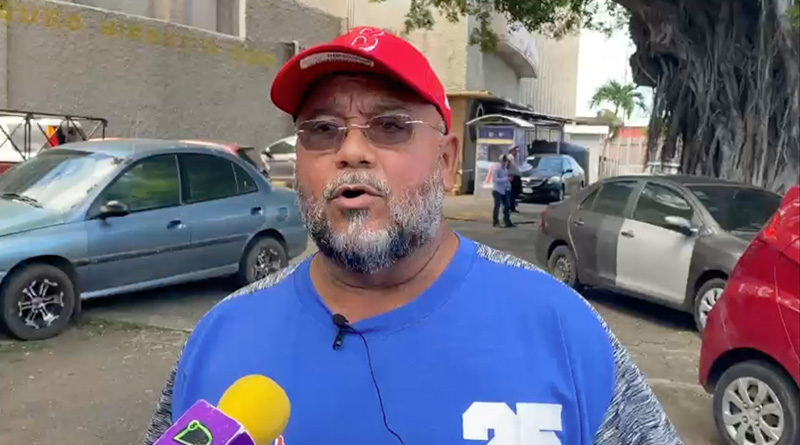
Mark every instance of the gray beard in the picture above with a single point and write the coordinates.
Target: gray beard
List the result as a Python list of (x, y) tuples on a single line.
[(415, 218)]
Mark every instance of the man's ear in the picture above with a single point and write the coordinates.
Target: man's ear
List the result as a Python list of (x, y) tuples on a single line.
[(450, 160)]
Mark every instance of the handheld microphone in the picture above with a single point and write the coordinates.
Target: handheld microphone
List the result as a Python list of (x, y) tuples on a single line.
[(253, 411)]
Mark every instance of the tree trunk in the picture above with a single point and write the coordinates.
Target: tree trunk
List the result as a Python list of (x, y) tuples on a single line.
[(726, 83)]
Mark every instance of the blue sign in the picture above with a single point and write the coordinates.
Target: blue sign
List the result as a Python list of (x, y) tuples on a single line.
[(496, 133)]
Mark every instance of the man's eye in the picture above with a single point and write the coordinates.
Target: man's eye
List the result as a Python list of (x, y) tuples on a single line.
[(390, 124), (323, 127)]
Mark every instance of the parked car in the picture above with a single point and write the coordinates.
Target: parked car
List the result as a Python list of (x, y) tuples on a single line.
[(281, 159), (750, 358), (670, 239), (98, 218), (552, 177), (248, 154)]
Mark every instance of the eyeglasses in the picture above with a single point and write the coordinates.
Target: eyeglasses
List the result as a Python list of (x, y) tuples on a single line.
[(384, 131)]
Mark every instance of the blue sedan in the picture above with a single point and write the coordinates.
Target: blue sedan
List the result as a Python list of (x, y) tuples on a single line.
[(98, 218)]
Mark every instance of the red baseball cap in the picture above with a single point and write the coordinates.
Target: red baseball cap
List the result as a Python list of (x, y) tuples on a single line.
[(364, 49)]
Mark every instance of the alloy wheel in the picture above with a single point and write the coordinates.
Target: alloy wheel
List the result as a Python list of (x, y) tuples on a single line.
[(40, 303), (267, 262), (707, 302), (563, 269), (752, 413)]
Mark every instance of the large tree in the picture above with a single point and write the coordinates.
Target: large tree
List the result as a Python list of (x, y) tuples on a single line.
[(725, 73), (727, 86)]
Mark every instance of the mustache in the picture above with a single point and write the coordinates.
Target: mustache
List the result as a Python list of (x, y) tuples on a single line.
[(355, 177)]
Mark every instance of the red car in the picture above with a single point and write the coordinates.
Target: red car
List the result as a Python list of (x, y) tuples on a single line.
[(750, 357)]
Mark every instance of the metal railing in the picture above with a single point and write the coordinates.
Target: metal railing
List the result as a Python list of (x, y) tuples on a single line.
[(58, 129)]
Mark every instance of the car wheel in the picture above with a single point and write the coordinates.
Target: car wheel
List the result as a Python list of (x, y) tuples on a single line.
[(560, 196), (563, 266), (264, 256), (705, 299), (756, 402), (37, 301)]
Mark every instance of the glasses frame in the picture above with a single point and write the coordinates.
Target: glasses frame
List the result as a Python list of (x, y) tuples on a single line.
[(343, 131)]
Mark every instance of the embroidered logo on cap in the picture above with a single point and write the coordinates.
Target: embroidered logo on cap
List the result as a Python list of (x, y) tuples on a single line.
[(367, 39)]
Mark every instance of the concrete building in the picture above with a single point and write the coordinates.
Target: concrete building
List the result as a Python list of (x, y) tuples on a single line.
[(157, 68), (529, 76)]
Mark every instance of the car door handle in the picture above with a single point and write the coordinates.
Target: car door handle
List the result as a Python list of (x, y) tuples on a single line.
[(578, 222), (256, 211), (175, 224), (627, 234)]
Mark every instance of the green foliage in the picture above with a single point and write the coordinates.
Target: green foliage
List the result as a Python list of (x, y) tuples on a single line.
[(553, 18), (623, 97), (794, 14)]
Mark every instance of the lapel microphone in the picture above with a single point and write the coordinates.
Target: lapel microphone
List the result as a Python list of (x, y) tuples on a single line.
[(341, 322), (344, 327)]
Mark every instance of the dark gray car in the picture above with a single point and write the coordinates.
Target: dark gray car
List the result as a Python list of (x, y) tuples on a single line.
[(673, 239), (552, 177)]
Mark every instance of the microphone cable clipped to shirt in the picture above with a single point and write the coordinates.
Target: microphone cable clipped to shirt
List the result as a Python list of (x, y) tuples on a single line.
[(344, 327)]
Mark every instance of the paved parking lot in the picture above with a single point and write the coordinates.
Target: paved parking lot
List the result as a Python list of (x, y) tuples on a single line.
[(98, 382)]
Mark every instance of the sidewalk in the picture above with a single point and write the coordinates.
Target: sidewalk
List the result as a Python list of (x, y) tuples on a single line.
[(472, 208)]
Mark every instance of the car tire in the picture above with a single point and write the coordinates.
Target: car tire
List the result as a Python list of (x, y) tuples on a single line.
[(560, 196), (564, 267), (781, 395), (704, 300), (50, 299), (263, 257)]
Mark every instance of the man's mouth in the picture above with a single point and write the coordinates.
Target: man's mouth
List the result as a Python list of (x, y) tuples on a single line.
[(351, 191)]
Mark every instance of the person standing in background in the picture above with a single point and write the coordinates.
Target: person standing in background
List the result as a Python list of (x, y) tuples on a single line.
[(515, 176), (501, 191)]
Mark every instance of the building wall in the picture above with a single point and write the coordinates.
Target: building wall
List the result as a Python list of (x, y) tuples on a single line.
[(150, 78), (464, 67), (445, 46), (554, 91)]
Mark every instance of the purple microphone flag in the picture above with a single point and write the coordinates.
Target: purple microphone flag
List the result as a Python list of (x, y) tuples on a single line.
[(204, 424)]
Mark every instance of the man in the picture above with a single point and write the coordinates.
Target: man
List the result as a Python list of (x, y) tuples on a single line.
[(448, 341), (501, 191), (515, 174)]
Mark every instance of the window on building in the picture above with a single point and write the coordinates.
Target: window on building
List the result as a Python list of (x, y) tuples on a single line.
[(221, 16)]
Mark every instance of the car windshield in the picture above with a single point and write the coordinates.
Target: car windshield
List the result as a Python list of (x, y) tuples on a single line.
[(737, 209), (547, 163), (57, 179)]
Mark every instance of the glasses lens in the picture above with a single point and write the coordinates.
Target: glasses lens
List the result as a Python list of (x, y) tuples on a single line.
[(319, 135), (390, 130)]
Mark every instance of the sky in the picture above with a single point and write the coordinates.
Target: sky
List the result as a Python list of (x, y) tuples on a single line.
[(601, 59)]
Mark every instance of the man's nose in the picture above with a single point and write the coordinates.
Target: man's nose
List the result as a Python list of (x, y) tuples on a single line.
[(356, 151)]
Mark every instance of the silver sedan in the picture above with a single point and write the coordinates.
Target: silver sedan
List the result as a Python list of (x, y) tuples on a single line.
[(672, 239)]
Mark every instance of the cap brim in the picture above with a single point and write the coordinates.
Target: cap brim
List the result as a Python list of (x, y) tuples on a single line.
[(301, 72)]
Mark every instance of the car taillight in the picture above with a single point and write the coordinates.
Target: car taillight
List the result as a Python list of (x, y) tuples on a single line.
[(770, 231)]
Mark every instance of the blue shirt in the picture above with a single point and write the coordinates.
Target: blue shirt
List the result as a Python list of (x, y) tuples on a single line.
[(495, 351), (500, 181)]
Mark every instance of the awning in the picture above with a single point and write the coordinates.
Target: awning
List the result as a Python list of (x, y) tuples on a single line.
[(501, 119)]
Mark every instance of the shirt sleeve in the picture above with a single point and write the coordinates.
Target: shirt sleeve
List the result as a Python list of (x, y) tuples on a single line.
[(634, 416), (162, 418), (617, 405)]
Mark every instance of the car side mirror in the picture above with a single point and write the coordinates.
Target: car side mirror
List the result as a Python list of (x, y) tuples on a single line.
[(114, 209), (681, 225), (569, 170)]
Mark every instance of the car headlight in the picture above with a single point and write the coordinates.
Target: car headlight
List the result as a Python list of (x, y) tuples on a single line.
[(553, 179)]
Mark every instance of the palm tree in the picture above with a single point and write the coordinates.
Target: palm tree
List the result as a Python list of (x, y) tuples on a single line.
[(624, 97)]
